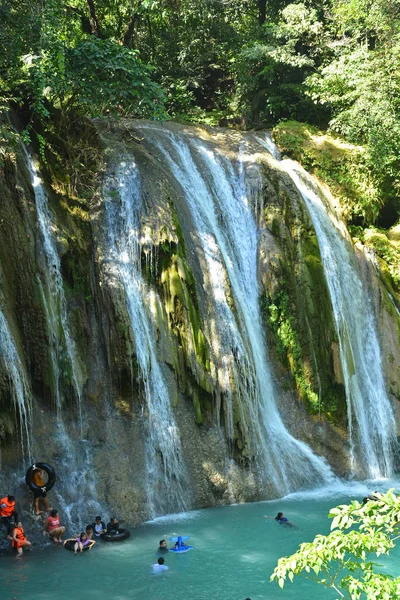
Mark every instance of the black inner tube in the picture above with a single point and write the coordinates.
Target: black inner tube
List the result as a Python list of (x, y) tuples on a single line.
[(51, 477), (70, 544), (122, 534)]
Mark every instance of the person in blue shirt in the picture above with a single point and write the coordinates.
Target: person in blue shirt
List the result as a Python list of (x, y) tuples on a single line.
[(281, 519)]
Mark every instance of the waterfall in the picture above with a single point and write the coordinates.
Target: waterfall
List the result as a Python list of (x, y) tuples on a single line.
[(221, 197), (62, 345), (77, 482), (371, 422), (19, 386), (166, 484)]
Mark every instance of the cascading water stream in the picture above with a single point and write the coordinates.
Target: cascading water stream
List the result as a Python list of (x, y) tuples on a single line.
[(370, 414), (166, 473), (75, 463), (216, 193), (19, 386), (62, 344), (371, 420)]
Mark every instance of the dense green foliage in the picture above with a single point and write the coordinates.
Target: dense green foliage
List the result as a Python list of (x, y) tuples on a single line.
[(342, 559), (328, 63)]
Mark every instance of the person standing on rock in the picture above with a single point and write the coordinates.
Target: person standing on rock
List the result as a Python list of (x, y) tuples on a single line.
[(39, 479), (8, 514)]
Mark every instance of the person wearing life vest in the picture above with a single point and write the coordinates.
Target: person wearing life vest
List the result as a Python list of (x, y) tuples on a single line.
[(8, 513), (19, 540)]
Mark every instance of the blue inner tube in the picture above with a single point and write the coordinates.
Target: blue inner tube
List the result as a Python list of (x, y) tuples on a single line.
[(122, 534), (181, 550), (51, 477), (69, 545)]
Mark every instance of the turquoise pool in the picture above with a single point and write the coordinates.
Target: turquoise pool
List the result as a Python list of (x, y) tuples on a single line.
[(235, 551)]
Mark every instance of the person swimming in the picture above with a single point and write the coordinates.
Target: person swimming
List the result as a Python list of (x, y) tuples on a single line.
[(281, 519), (159, 566)]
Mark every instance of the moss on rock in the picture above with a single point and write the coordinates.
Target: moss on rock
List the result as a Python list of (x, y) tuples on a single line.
[(296, 304)]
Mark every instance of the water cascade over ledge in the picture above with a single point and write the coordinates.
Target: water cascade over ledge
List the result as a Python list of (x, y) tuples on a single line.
[(371, 422), (21, 394), (64, 363), (193, 328), (166, 485), (222, 197)]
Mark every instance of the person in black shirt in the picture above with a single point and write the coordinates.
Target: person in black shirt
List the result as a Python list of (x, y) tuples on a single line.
[(163, 546), (112, 526)]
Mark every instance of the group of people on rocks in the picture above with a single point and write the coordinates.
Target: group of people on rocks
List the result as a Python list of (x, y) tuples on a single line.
[(12, 525), (52, 527)]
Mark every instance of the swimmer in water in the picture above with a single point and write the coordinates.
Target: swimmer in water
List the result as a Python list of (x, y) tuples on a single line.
[(163, 546), (159, 566), (281, 519)]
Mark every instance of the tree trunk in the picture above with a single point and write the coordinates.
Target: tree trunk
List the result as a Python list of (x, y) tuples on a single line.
[(131, 30), (94, 24), (262, 11)]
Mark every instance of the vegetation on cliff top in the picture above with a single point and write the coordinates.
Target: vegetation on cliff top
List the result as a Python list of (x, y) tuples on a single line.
[(329, 63), (349, 173)]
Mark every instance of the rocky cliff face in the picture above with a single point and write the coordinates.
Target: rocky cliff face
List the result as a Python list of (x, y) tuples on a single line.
[(109, 440)]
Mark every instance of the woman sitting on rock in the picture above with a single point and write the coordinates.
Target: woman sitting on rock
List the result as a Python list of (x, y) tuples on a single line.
[(53, 528)]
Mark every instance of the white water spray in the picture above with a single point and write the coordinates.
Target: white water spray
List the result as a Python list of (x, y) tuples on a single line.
[(75, 467), (219, 198), (372, 428), (166, 474), (19, 386)]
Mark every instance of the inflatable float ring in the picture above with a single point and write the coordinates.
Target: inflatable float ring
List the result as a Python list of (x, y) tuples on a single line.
[(181, 550), (122, 534), (70, 544), (51, 475), (181, 547)]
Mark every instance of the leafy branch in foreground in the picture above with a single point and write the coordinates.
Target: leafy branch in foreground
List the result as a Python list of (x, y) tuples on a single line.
[(341, 559)]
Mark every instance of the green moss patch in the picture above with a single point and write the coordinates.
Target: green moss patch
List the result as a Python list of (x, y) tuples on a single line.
[(343, 167)]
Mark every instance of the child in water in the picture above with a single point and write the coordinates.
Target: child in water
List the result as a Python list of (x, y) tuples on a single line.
[(81, 541)]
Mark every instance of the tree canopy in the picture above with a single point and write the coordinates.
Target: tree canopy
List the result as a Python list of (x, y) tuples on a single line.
[(343, 560), (333, 64)]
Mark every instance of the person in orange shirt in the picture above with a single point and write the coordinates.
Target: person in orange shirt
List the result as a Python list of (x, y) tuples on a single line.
[(39, 479), (8, 514), (19, 540)]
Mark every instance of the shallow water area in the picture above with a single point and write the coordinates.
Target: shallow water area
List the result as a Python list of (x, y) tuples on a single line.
[(235, 551)]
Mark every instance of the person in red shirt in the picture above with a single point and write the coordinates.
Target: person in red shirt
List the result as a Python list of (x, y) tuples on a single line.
[(53, 528), (19, 540), (8, 514)]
